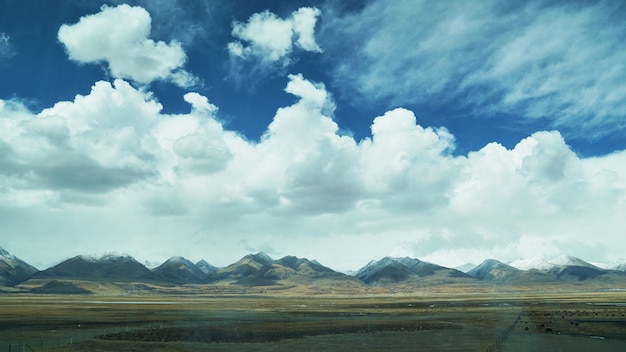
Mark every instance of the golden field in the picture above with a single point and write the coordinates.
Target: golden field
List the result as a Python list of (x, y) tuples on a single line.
[(458, 320)]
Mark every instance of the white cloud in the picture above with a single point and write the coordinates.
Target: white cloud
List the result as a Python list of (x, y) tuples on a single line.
[(200, 103), (92, 144), (304, 20), (116, 164), (267, 34), (112, 138), (119, 36), (560, 63), (271, 39)]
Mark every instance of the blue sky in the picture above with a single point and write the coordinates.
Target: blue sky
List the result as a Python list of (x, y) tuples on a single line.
[(447, 131)]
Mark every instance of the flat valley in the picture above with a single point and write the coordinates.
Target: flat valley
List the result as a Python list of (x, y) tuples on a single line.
[(429, 321)]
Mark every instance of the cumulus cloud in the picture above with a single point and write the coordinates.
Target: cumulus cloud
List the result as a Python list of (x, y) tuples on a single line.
[(558, 63), (269, 41), (403, 184), (88, 145), (112, 138), (118, 36), (113, 158)]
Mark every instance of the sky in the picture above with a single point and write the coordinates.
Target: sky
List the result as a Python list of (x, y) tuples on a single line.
[(450, 131)]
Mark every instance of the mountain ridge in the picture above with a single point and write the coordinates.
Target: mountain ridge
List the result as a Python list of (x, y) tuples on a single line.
[(260, 270), (400, 272), (106, 268), (179, 270), (13, 270)]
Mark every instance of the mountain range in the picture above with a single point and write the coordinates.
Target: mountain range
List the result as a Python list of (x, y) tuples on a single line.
[(260, 273)]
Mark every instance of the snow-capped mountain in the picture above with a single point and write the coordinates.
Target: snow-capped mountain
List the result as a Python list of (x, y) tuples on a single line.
[(13, 270), (386, 267), (564, 268), (75, 275), (206, 267), (111, 257), (108, 267), (552, 264), (496, 271), (532, 263), (179, 270), (493, 270), (568, 260)]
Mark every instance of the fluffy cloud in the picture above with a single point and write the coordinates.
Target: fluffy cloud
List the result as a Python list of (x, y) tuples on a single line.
[(270, 40), (117, 164), (110, 139), (119, 36), (89, 145), (555, 62)]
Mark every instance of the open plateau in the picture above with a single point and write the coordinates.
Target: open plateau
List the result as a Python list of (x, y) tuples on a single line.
[(115, 303)]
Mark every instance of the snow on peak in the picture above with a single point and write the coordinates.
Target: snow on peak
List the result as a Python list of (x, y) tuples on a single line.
[(618, 264), (568, 260), (108, 257), (205, 266), (376, 265), (546, 265), (532, 263), (407, 261)]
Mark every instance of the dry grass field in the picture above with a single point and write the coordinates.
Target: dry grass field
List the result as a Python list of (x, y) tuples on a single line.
[(431, 322)]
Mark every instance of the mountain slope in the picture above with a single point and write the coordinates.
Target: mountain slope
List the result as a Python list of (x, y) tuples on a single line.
[(395, 271), (179, 271), (287, 273), (296, 269), (105, 268), (577, 272), (465, 267), (496, 271), (493, 270), (568, 260), (242, 268), (383, 272), (569, 268), (13, 270), (206, 267), (620, 267)]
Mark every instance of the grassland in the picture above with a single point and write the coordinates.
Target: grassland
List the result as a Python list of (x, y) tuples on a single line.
[(504, 321)]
